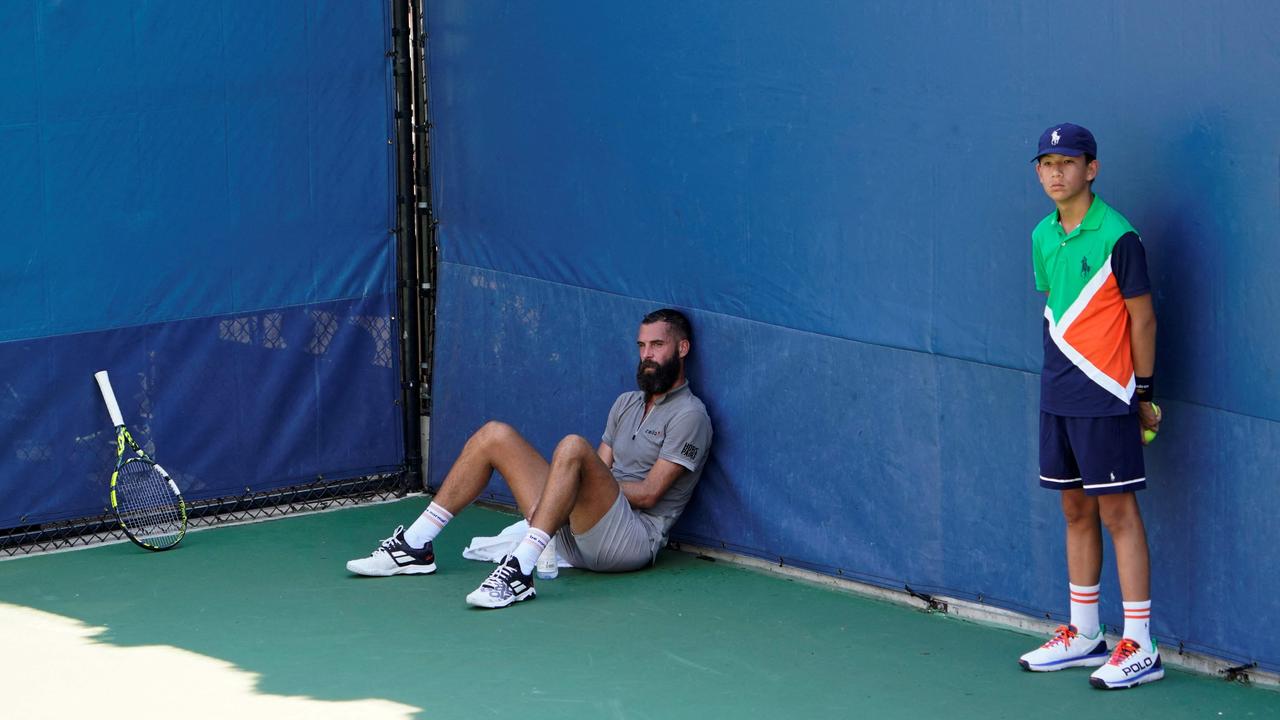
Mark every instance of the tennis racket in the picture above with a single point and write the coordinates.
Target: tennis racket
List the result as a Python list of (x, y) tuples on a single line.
[(144, 498)]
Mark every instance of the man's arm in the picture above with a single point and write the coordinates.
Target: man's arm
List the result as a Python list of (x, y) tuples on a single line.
[(646, 493), (1142, 343)]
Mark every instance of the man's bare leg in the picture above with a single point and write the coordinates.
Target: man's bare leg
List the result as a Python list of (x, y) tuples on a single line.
[(579, 489), (495, 446)]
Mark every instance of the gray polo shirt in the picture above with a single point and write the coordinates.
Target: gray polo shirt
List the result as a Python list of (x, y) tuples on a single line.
[(677, 429)]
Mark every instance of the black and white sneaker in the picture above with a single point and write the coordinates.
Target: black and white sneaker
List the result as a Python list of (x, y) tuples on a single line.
[(504, 586), (395, 557)]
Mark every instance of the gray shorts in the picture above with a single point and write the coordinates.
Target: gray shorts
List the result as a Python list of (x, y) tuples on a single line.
[(619, 542)]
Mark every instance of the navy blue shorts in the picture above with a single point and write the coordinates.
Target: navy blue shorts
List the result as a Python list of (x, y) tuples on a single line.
[(1103, 455)]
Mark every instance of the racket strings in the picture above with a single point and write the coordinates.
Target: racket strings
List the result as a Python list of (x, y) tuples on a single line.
[(146, 504)]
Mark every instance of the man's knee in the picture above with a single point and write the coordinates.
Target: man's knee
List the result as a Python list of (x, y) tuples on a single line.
[(573, 448), (492, 434)]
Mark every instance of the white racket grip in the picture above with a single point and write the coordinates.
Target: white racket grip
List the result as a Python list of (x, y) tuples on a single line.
[(172, 485), (109, 397)]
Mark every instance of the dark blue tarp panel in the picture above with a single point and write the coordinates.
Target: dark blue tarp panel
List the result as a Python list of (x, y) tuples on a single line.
[(196, 198), (842, 195), (228, 404), (245, 140)]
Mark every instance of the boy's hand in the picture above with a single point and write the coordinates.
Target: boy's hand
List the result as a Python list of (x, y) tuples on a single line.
[(1149, 416)]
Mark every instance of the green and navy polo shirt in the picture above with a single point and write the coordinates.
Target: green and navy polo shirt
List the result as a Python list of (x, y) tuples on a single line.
[(1088, 273)]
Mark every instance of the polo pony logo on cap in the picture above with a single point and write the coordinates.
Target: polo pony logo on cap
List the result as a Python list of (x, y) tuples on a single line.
[(1055, 137)]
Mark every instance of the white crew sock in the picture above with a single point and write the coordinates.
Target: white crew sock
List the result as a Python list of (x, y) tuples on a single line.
[(530, 548), (1137, 623), (427, 526), (1084, 608)]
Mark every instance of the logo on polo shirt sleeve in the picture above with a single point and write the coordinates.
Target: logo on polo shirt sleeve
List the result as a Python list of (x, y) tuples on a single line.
[(690, 451)]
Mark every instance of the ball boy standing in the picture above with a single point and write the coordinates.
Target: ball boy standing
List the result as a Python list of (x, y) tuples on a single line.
[(1095, 404)]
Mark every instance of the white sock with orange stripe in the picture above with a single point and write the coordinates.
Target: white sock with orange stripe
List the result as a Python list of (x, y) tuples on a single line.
[(1137, 623), (1084, 608), (527, 552), (427, 526)]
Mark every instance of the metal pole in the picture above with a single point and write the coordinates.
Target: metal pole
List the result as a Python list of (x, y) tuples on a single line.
[(427, 221), (407, 251)]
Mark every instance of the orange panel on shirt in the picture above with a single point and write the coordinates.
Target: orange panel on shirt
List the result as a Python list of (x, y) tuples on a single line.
[(1095, 332)]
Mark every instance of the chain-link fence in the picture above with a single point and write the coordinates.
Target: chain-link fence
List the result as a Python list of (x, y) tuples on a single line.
[(318, 495)]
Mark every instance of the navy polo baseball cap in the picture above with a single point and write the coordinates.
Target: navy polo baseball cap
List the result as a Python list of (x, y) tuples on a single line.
[(1067, 139)]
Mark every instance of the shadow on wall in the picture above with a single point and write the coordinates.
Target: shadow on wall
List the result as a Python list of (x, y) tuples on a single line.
[(1190, 198)]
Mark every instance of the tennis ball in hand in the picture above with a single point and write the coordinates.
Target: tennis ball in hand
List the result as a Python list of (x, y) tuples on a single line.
[(1148, 435)]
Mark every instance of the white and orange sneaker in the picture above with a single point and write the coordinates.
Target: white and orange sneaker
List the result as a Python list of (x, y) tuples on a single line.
[(1067, 648), (1129, 665)]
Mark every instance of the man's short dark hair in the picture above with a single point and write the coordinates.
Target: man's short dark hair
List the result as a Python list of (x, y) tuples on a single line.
[(674, 318)]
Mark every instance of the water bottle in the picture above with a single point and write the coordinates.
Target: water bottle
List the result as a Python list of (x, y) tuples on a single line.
[(548, 566)]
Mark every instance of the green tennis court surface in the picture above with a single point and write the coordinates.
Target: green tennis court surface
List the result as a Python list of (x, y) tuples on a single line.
[(272, 606)]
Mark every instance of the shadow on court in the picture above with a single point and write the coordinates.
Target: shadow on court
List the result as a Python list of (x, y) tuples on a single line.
[(686, 639)]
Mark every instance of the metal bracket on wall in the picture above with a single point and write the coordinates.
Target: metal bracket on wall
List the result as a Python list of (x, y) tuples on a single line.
[(932, 604), (1238, 673)]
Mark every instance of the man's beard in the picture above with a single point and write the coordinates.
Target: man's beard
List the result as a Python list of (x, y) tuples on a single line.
[(662, 377)]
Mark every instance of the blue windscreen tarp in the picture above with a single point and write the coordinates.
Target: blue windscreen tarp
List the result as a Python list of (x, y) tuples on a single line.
[(199, 199), (842, 196)]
